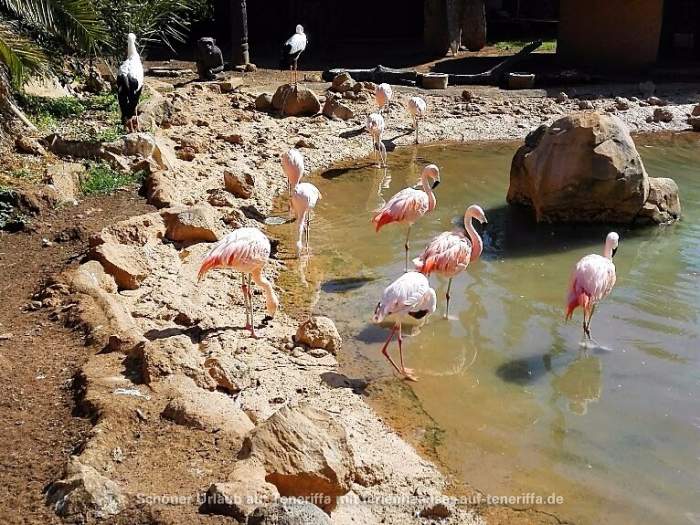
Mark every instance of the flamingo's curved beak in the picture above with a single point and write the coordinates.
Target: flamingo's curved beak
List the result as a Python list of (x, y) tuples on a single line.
[(614, 252), (436, 182)]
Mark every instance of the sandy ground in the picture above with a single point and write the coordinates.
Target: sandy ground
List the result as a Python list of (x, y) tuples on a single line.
[(157, 457)]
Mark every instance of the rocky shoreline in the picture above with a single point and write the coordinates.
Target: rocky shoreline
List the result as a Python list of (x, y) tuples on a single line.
[(188, 411)]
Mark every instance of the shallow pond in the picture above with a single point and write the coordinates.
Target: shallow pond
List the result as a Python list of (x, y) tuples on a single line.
[(522, 409)]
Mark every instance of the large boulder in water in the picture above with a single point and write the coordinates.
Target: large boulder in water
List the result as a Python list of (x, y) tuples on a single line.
[(296, 101), (584, 168)]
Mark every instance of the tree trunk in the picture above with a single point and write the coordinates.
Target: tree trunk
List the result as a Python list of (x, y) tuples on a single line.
[(474, 25), (239, 32), (9, 112)]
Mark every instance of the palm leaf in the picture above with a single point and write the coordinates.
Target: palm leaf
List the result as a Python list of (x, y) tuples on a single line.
[(19, 54)]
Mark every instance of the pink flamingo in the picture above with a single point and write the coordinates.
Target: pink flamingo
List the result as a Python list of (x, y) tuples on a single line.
[(417, 108), (410, 204), (245, 250), (408, 296), (450, 253), (591, 281), (383, 95), (293, 167), (304, 198), (375, 127)]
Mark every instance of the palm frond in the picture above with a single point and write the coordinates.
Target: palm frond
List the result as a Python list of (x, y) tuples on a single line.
[(19, 54), (76, 23)]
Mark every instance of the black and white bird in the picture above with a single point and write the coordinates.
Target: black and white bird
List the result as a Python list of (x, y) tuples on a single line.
[(130, 84), (292, 49)]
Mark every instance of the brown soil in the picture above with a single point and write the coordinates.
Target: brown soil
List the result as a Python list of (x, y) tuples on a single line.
[(40, 357)]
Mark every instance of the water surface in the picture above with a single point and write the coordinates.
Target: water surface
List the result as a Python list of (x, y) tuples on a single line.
[(521, 407)]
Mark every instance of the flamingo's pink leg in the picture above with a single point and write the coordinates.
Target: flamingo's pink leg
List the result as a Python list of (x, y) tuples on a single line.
[(406, 372), (386, 354), (447, 298), (407, 246)]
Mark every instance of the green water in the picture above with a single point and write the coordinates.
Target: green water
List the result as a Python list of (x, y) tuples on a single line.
[(615, 433)]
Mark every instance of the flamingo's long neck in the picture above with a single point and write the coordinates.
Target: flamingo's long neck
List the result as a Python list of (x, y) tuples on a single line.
[(271, 300), (427, 188), (607, 251), (474, 237)]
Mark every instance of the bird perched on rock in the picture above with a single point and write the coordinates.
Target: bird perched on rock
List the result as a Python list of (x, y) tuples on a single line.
[(417, 108), (293, 47), (130, 84), (450, 253), (245, 250), (375, 126), (383, 95), (410, 204), (409, 296), (591, 281)]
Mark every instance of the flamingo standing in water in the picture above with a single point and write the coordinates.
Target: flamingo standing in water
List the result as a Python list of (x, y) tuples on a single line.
[(591, 281), (410, 204), (450, 253), (245, 250), (417, 108), (383, 95), (304, 198), (293, 168), (408, 296), (375, 127)]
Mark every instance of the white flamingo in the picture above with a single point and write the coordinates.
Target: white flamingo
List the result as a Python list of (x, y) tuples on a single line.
[(383, 95), (409, 296), (245, 250), (375, 127), (417, 108)]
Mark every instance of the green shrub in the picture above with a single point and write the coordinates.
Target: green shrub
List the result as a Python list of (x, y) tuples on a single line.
[(101, 178)]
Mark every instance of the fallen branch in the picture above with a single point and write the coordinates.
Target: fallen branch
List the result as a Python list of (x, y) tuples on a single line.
[(494, 75), (377, 75)]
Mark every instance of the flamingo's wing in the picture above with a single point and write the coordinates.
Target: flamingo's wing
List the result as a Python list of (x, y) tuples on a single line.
[(448, 252), (593, 275), (242, 250)]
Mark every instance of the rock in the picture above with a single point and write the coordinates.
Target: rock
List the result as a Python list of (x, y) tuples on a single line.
[(176, 355), (231, 138), (242, 185), (663, 204), (467, 96), (66, 177), (220, 198), (156, 110), (622, 104), (187, 154), (159, 192), (245, 491), (296, 101), (655, 101), (191, 223), (305, 453), (264, 102), (663, 115), (342, 82), (319, 332), (694, 122), (583, 168), (289, 512), (562, 98), (230, 374), (83, 493), (250, 68), (142, 145), (126, 264), (204, 410), (585, 104), (336, 110), (29, 145), (305, 143), (438, 511), (230, 84)]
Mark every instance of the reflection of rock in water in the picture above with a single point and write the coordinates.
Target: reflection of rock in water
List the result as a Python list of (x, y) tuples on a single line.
[(581, 383)]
